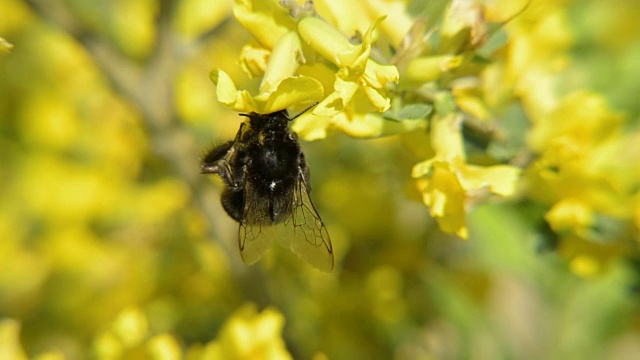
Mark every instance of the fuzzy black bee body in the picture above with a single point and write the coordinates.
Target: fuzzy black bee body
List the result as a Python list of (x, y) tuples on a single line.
[(267, 187)]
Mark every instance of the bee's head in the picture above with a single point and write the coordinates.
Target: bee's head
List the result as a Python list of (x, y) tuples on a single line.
[(275, 119)]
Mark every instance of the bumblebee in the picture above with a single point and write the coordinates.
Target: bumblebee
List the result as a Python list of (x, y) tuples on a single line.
[(267, 190)]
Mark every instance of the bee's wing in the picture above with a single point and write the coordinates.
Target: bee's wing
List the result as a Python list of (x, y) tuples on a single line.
[(311, 241), (254, 239)]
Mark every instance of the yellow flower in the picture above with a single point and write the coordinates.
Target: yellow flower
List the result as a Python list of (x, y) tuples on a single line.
[(470, 99), (249, 335), (254, 59), (587, 174), (587, 258), (539, 38), (129, 333), (581, 121), (570, 214), (451, 183), (293, 74), (398, 22), (355, 70), (279, 89), (354, 17), (348, 17), (586, 165), (444, 195), (354, 121), (129, 329)]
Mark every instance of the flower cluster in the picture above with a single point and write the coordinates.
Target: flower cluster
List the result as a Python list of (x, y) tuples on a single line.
[(246, 334), (307, 59), (312, 53), (441, 77)]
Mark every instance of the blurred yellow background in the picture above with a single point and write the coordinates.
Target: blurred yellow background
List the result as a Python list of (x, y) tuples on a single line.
[(112, 245)]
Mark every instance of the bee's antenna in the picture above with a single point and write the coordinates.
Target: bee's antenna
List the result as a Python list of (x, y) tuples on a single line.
[(304, 111)]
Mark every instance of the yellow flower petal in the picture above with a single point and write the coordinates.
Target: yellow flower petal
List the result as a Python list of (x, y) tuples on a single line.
[(327, 41), (470, 100), (427, 69), (229, 95), (364, 50), (445, 197), (248, 334), (311, 127), (348, 16), (291, 91), (283, 62), (267, 21), (253, 59), (570, 214), (375, 77), (345, 89), (337, 101), (359, 125), (356, 71), (500, 179), (421, 169), (463, 26), (446, 137), (582, 119), (398, 21), (377, 98)]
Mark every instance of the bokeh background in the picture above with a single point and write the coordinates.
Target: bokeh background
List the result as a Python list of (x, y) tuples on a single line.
[(112, 245)]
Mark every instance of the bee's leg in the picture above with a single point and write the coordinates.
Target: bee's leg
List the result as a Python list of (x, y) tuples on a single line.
[(217, 161), (211, 161), (220, 155), (223, 169)]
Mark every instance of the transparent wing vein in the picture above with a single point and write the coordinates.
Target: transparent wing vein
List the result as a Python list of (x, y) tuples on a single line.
[(311, 241)]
